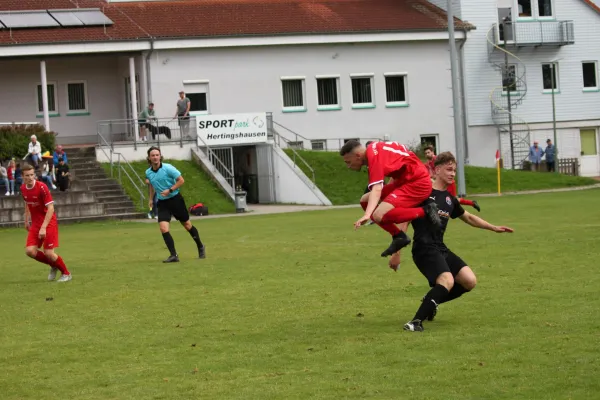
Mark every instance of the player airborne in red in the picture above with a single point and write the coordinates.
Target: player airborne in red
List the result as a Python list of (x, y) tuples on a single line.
[(40, 221), (401, 199)]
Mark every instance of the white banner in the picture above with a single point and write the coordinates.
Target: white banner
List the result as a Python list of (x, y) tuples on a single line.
[(231, 129)]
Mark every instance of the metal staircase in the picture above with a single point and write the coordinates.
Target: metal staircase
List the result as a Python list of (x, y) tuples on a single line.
[(514, 131)]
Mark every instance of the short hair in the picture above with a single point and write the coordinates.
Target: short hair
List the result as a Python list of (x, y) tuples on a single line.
[(349, 147), (33, 137), (27, 167), (151, 104), (445, 158), (429, 147)]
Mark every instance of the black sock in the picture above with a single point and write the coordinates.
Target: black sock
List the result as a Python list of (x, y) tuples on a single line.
[(455, 293), (435, 296), (196, 236), (170, 243)]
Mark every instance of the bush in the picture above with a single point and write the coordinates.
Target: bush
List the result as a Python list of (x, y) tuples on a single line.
[(14, 140)]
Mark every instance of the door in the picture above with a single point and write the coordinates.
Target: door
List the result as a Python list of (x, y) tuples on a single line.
[(590, 164), (266, 172), (222, 159)]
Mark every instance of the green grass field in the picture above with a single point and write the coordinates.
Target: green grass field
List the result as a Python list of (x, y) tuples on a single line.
[(198, 187), (343, 186), (300, 306)]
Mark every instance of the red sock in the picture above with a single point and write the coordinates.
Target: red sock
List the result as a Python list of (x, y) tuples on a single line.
[(60, 264), (399, 215), (465, 202), (41, 257), (388, 227)]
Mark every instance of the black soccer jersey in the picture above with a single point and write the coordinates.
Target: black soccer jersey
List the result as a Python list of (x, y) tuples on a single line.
[(425, 235)]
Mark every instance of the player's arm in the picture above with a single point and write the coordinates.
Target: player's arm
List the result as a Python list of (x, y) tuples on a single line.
[(374, 198), (478, 222), (150, 194), (27, 217), (187, 109), (179, 181)]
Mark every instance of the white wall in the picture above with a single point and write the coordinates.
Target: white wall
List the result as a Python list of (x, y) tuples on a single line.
[(248, 80), (571, 104), (18, 97), (168, 150)]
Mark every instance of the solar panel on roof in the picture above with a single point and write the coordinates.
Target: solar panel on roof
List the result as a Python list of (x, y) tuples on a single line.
[(65, 17), (91, 16), (27, 19)]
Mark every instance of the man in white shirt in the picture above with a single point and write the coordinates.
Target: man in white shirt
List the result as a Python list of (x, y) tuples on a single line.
[(35, 150)]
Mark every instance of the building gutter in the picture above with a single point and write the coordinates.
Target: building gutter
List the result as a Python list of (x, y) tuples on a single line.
[(148, 70), (463, 96)]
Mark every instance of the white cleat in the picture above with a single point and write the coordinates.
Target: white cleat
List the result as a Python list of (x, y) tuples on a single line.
[(52, 274), (64, 278), (7, 194)]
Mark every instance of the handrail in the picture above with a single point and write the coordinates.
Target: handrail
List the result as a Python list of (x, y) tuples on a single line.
[(296, 154), (120, 155), (212, 156)]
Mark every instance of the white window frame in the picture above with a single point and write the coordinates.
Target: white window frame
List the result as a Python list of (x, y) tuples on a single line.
[(391, 104), (535, 12), (590, 88), (320, 141), (302, 80), (556, 77), (85, 97), (366, 75), (37, 105), (197, 86), (329, 107)]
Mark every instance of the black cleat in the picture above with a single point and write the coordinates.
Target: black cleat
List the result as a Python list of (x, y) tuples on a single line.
[(476, 206), (202, 252), (431, 212), (172, 259), (414, 326), (398, 242)]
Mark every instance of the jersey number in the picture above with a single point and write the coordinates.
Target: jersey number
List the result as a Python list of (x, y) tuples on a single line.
[(397, 151)]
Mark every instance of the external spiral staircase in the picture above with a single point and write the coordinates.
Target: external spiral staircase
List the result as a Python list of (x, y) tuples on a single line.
[(513, 130)]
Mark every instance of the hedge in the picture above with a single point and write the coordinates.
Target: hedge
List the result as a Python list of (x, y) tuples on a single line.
[(14, 140)]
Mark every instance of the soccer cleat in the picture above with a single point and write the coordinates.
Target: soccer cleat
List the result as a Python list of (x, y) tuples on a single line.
[(150, 215), (476, 206), (414, 326), (64, 278), (52, 274), (431, 212), (7, 194), (172, 259), (202, 252), (399, 241)]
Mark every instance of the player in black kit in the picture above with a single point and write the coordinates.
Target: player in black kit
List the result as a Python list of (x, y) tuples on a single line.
[(448, 275)]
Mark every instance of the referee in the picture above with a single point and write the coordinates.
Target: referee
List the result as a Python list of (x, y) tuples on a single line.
[(165, 180)]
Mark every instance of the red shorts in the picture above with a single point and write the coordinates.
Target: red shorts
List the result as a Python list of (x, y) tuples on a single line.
[(49, 242), (407, 195)]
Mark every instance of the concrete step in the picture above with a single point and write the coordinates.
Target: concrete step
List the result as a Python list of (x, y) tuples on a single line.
[(72, 220), (119, 210), (86, 176), (109, 192), (60, 199), (70, 210), (122, 200), (103, 187)]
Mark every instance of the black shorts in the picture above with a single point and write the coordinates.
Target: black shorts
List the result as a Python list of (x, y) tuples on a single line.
[(172, 207), (432, 263)]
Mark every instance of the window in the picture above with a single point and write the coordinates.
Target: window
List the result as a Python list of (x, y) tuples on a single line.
[(524, 7), (293, 93), (395, 90), (590, 76), (588, 142), (296, 145), (547, 76), (327, 93), (509, 79), (544, 8), (362, 91), (198, 101), (77, 97), (52, 101), (318, 144)]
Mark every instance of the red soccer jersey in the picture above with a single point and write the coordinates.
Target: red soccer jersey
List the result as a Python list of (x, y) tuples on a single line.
[(431, 166), (452, 189), (37, 199), (393, 160)]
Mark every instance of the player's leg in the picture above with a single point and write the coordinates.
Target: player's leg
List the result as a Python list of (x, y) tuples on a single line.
[(56, 262), (180, 212), (410, 203), (394, 262), (464, 277), (364, 201), (34, 243), (433, 266), (164, 219)]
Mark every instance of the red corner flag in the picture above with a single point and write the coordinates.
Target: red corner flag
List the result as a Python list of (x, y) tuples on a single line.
[(497, 155)]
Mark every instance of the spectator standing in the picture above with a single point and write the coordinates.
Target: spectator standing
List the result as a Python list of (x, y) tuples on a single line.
[(550, 161), (183, 113), (4, 177), (10, 172), (535, 156)]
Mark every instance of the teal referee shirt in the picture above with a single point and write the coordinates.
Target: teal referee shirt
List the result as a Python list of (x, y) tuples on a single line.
[(163, 179)]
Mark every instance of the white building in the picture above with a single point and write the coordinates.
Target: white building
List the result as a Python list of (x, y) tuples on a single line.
[(327, 70), (539, 34)]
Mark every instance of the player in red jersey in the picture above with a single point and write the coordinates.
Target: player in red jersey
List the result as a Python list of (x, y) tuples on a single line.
[(401, 199), (40, 221)]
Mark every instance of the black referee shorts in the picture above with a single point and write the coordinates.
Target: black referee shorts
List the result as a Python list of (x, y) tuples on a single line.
[(432, 263), (172, 207)]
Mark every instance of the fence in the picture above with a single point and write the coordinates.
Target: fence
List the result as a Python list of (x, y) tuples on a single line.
[(157, 130), (565, 166)]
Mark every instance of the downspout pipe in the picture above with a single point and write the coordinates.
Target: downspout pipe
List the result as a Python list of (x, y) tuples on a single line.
[(463, 97), (148, 78)]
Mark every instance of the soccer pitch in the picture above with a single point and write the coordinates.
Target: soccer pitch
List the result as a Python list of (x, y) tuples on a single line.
[(300, 306)]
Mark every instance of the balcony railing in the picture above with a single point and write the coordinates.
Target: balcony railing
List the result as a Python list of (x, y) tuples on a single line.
[(535, 33)]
